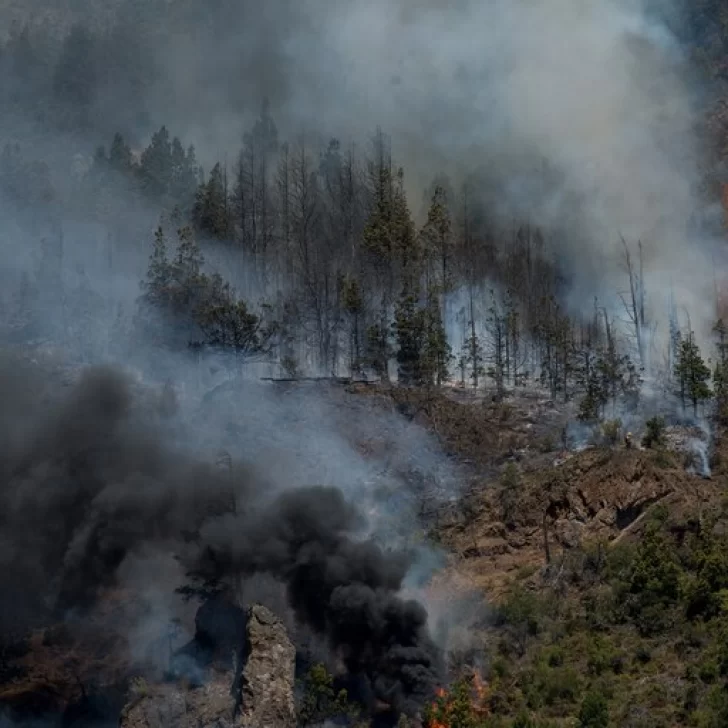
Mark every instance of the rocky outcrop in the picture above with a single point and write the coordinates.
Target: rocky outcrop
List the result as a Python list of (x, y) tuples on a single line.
[(268, 675), (259, 696), (595, 496)]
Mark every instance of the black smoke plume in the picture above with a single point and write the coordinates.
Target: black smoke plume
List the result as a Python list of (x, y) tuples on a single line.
[(344, 589), (88, 478)]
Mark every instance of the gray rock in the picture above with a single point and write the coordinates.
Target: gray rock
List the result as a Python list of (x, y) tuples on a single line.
[(268, 677), (261, 697)]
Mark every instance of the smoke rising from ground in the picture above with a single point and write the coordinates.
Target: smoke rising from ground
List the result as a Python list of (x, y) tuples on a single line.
[(578, 117), (90, 487)]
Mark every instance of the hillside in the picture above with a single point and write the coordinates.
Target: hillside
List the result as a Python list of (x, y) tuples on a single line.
[(625, 601), (363, 364), (605, 574)]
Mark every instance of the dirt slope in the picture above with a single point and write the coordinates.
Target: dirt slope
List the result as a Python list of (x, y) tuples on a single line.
[(595, 496)]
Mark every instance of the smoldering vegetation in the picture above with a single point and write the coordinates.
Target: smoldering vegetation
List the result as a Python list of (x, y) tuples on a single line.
[(89, 484), (536, 209)]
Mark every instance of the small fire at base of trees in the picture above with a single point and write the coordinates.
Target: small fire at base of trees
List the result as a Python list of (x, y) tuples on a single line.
[(463, 705)]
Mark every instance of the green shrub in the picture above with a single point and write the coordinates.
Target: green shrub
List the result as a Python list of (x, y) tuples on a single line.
[(705, 590), (612, 432), (139, 687), (599, 656), (663, 459), (654, 433), (617, 664), (499, 668), (653, 584), (321, 702), (547, 444), (454, 709), (520, 615), (523, 721), (708, 671), (555, 657), (552, 686), (594, 712)]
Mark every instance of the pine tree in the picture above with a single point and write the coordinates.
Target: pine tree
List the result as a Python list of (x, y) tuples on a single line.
[(378, 244), (437, 238), (379, 348), (497, 327), (720, 373), (437, 353), (226, 322), (264, 134), (608, 376), (423, 353), (409, 334), (159, 272), (377, 237), (611, 368), (189, 281), (514, 354), (189, 261), (406, 249), (675, 336), (155, 169), (75, 79), (353, 305), (252, 200), (390, 241), (210, 212), (585, 370), (472, 359), (692, 374), (436, 250), (120, 157), (595, 397), (408, 319), (184, 175)]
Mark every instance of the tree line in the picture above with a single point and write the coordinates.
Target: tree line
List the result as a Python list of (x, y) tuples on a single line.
[(351, 283)]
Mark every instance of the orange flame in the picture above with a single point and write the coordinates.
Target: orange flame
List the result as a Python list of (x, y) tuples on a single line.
[(447, 704), (481, 689)]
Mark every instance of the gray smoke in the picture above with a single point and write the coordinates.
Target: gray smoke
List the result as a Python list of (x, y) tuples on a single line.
[(577, 116), (89, 482)]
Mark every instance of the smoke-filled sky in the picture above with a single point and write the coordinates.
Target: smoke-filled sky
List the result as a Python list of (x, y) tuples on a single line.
[(600, 91)]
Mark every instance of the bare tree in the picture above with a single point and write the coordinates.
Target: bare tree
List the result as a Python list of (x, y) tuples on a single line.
[(635, 305)]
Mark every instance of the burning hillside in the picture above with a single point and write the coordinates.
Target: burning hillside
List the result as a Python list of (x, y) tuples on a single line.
[(119, 494), (430, 363), (465, 703)]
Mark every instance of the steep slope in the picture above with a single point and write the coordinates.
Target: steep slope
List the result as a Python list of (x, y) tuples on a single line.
[(595, 496)]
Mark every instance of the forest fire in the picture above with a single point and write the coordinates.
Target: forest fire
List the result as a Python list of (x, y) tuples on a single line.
[(465, 703)]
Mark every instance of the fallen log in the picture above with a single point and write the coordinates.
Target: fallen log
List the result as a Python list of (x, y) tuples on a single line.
[(336, 380)]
